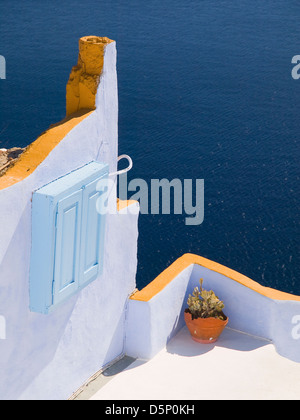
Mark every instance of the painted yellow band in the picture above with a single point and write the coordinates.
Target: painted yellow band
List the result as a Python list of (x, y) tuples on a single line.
[(80, 102), (186, 260), (122, 204), (37, 152)]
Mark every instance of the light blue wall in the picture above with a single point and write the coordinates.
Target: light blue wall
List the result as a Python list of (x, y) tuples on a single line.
[(49, 356), (157, 320)]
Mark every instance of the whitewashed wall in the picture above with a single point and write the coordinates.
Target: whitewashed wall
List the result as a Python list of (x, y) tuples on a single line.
[(150, 325), (51, 356)]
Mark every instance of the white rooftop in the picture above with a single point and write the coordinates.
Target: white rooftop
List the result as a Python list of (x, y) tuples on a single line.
[(237, 366)]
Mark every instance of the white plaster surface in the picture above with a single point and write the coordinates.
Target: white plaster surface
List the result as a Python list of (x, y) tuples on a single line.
[(151, 324), (50, 356), (237, 367)]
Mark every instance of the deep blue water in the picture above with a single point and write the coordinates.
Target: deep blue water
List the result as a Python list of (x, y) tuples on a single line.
[(205, 91)]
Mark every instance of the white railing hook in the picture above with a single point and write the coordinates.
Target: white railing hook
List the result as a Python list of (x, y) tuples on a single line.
[(123, 171)]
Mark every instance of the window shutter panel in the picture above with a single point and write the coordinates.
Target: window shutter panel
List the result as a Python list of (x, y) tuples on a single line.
[(93, 225), (67, 236), (67, 248)]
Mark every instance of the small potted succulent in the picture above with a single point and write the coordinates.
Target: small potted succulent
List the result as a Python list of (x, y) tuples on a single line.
[(204, 316)]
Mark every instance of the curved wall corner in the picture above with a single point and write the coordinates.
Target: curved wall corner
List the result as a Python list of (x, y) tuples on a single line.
[(250, 307)]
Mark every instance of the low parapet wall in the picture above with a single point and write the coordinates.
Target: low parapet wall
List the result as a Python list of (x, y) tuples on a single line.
[(155, 313)]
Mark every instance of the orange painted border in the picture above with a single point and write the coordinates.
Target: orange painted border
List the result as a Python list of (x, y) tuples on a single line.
[(186, 260), (37, 152), (122, 204)]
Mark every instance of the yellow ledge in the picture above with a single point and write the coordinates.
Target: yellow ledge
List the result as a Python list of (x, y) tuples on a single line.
[(122, 204), (80, 102), (186, 260), (37, 152)]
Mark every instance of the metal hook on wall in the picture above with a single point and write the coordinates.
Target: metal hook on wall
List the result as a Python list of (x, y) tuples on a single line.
[(123, 171)]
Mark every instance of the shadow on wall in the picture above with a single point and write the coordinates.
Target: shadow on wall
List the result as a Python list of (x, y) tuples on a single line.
[(77, 114), (31, 339), (31, 157), (184, 345), (231, 338)]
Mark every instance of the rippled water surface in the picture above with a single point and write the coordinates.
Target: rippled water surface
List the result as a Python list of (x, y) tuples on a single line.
[(205, 91)]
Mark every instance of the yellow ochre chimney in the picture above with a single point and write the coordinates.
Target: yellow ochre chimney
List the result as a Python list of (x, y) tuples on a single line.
[(85, 76)]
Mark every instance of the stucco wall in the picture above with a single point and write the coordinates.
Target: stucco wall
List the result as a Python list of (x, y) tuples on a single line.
[(50, 356), (153, 321)]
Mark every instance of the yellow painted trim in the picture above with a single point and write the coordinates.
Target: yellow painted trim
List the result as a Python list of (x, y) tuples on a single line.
[(122, 204), (80, 103), (37, 152), (186, 260)]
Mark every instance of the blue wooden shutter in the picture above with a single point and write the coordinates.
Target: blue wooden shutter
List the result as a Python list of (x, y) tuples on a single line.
[(67, 248), (93, 225), (67, 236)]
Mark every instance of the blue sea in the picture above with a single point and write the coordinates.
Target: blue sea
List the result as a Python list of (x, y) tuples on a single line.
[(205, 91)]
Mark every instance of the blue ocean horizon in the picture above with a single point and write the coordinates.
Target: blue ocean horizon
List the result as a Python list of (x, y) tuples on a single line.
[(205, 92)]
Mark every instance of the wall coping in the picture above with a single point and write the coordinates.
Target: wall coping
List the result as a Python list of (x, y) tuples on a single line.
[(37, 152), (167, 276), (81, 93)]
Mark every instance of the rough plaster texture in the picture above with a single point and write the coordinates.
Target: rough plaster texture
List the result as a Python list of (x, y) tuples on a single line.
[(151, 324), (50, 356), (85, 76)]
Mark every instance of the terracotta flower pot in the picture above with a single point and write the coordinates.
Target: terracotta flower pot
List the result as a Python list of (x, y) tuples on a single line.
[(205, 330)]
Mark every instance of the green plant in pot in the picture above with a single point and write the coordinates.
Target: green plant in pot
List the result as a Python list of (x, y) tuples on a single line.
[(204, 316)]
